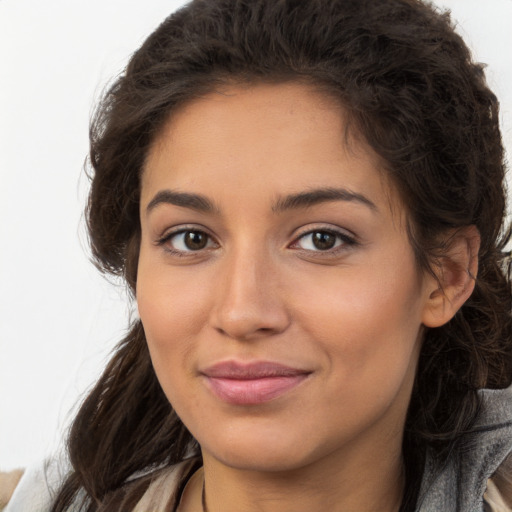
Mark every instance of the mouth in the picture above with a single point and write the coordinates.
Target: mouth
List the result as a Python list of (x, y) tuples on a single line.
[(252, 383)]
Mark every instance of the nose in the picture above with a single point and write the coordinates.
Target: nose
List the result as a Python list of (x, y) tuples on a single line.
[(249, 302)]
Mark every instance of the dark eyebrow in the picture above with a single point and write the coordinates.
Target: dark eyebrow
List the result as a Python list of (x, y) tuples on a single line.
[(321, 195), (186, 200)]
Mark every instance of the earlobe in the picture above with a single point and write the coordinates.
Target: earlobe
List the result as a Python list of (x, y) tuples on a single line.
[(455, 276)]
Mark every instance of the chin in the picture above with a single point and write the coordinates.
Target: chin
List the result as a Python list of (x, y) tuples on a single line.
[(263, 452), (262, 461)]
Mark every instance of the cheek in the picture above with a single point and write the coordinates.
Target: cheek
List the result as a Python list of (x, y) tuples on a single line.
[(368, 330), (169, 299), (172, 311), (367, 322), (168, 323)]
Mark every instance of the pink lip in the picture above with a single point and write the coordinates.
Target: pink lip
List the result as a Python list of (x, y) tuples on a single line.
[(252, 383)]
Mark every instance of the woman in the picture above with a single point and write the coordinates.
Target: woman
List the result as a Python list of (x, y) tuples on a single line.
[(306, 200)]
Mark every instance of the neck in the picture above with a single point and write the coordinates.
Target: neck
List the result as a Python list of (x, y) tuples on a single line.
[(372, 485)]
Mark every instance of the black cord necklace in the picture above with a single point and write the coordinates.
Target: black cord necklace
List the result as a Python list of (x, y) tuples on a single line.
[(203, 498)]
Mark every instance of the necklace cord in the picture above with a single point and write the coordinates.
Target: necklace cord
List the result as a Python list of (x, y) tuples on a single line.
[(203, 498)]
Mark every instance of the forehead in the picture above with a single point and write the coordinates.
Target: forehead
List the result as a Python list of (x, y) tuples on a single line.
[(267, 139)]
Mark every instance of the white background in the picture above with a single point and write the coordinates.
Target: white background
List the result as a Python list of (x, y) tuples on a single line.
[(58, 318)]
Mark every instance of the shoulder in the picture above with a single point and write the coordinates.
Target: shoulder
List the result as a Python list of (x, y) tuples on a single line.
[(8, 482), (498, 496), (166, 486), (36, 489), (41, 482), (489, 452), (473, 476)]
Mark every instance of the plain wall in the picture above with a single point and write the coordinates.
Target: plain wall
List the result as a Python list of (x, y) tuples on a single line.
[(58, 318)]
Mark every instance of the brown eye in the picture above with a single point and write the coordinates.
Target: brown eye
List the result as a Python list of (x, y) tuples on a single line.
[(195, 240), (320, 240), (323, 240), (187, 241)]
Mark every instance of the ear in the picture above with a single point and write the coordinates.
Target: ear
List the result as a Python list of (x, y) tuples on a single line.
[(455, 276)]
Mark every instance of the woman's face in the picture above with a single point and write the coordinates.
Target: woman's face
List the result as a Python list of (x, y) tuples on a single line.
[(277, 287)]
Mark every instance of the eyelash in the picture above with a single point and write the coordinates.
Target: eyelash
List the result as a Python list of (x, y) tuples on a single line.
[(343, 240), (164, 242)]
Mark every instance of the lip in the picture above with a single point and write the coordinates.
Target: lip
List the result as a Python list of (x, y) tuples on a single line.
[(252, 383)]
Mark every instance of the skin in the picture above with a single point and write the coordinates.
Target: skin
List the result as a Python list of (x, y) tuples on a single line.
[(352, 316)]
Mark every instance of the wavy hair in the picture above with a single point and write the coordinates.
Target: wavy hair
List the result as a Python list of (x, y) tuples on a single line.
[(412, 91)]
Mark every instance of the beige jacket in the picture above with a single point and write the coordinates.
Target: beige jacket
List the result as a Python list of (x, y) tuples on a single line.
[(497, 498), (162, 491)]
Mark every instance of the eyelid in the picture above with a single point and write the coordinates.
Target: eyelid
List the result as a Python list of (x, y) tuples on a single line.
[(169, 233), (348, 239)]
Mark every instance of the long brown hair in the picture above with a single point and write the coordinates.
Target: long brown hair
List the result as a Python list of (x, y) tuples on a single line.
[(413, 93)]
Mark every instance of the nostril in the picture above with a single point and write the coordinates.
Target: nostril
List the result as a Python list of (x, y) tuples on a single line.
[(242, 310), (246, 330)]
